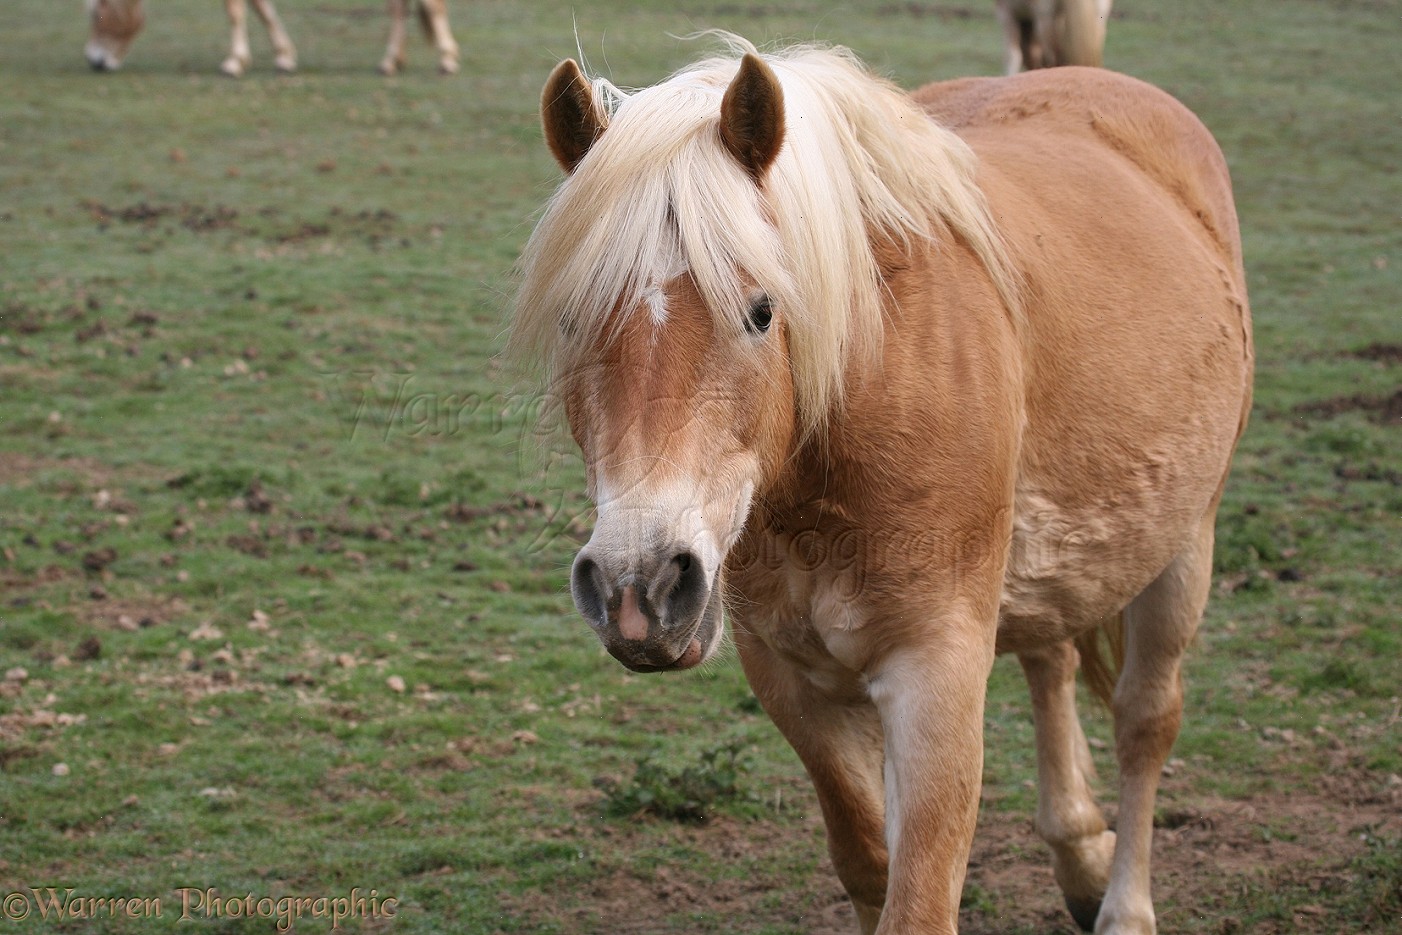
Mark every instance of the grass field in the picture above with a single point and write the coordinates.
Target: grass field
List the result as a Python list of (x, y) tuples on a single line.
[(282, 568)]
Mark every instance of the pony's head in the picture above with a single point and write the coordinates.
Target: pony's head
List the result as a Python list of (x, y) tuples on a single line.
[(697, 289), (115, 23)]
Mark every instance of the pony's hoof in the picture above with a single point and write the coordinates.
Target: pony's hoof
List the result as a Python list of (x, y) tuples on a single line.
[(447, 66), (390, 67), (285, 64), (233, 67), (1084, 911)]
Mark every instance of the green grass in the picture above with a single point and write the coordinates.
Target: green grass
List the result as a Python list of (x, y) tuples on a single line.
[(247, 344)]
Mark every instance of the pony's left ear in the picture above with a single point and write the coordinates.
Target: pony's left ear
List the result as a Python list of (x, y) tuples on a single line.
[(572, 116), (752, 116)]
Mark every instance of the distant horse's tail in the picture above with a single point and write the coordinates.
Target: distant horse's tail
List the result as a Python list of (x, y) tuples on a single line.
[(1099, 672), (1080, 32)]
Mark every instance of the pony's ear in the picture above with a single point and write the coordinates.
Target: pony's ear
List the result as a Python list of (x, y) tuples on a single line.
[(572, 117), (752, 116)]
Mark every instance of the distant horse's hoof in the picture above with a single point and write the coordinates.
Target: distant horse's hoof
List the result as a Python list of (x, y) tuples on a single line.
[(285, 64), (233, 66), (1084, 911), (390, 67), (447, 66)]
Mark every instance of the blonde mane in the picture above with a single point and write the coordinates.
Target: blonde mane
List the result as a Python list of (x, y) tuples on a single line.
[(658, 194)]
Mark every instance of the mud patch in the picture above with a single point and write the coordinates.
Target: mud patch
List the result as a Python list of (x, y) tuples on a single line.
[(1385, 409), (1380, 352), (198, 218)]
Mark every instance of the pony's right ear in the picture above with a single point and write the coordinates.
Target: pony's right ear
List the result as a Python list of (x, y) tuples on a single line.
[(571, 114)]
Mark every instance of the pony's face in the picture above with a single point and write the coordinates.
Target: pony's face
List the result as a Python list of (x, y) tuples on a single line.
[(682, 413), (115, 23), (680, 423)]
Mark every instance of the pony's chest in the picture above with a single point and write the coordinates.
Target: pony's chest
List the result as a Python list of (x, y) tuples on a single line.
[(807, 608)]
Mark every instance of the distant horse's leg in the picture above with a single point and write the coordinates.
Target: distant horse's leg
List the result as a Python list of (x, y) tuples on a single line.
[(284, 54), (394, 51), (1048, 52), (840, 744), (239, 55), (1148, 708), (1012, 37), (1067, 817), (435, 16)]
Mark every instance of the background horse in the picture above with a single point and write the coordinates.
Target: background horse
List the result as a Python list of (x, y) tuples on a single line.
[(1048, 33), (901, 382), (116, 23)]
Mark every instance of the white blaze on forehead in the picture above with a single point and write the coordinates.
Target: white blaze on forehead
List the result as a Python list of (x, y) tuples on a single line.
[(671, 268)]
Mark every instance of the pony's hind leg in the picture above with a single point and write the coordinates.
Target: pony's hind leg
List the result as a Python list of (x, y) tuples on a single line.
[(1067, 816), (434, 14), (284, 53), (1148, 708)]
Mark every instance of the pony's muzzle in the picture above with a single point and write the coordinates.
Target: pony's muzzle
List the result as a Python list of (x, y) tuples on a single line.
[(100, 59), (647, 618)]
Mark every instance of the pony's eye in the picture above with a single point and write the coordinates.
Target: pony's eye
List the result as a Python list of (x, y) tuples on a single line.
[(761, 314)]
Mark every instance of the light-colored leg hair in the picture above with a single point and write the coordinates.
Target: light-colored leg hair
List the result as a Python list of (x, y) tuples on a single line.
[(1012, 36), (435, 13), (931, 700), (1148, 708), (284, 54), (239, 55), (1067, 816), (1046, 51), (840, 744), (434, 16), (394, 51)]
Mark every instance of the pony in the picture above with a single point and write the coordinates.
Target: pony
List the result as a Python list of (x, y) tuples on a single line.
[(899, 382), (116, 23), (1048, 33)]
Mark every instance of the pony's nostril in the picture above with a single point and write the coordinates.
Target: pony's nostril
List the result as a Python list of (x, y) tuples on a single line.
[(686, 597), (589, 592)]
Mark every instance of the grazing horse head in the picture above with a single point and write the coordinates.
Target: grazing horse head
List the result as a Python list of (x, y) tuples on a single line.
[(115, 24), (697, 286)]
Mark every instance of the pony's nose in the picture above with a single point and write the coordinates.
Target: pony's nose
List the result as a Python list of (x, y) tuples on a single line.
[(675, 591), (643, 617)]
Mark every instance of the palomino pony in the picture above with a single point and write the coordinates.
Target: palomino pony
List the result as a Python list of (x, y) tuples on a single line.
[(901, 382), (116, 23), (1048, 33)]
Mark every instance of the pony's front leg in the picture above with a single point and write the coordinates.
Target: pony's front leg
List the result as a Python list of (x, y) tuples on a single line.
[(239, 55), (394, 51), (930, 697), (836, 732)]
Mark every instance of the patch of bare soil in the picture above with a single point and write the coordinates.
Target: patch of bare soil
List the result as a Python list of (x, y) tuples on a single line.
[(1208, 853), (1382, 408), (1390, 354)]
